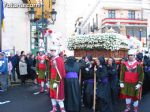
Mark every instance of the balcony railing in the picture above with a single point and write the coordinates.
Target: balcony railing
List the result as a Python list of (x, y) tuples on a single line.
[(124, 21)]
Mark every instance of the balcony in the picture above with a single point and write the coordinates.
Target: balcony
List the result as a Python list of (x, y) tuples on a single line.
[(124, 21)]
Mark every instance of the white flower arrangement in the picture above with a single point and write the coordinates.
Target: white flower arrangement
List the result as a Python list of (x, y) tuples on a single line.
[(108, 41)]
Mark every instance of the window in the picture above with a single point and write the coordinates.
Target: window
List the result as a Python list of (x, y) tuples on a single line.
[(131, 14), (111, 14)]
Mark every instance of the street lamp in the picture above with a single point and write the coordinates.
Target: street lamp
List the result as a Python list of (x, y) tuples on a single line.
[(31, 14), (53, 2), (53, 15), (41, 24)]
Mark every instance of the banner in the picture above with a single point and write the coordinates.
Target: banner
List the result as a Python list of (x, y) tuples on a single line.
[(2, 14)]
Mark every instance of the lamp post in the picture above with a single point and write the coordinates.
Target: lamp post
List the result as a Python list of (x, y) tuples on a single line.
[(42, 30), (42, 23), (53, 16), (31, 14)]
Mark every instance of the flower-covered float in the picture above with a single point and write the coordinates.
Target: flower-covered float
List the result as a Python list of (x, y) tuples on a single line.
[(104, 44)]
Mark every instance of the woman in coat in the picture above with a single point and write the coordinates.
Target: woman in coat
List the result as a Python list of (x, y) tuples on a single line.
[(23, 69), (72, 88), (113, 79), (31, 65), (88, 77), (103, 86)]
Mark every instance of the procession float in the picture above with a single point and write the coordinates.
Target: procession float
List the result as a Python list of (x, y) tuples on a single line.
[(104, 44)]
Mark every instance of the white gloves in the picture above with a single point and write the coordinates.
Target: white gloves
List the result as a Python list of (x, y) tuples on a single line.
[(137, 86), (47, 85), (122, 85), (87, 69), (55, 85)]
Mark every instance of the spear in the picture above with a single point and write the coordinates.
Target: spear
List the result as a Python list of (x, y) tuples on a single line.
[(80, 77), (94, 97)]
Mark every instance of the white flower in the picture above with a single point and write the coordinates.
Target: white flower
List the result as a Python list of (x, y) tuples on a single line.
[(104, 41)]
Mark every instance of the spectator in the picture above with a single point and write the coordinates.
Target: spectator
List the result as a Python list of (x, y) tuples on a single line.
[(27, 60), (9, 71), (13, 60), (31, 67), (22, 69), (17, 57), (3, 72), (22, 53)]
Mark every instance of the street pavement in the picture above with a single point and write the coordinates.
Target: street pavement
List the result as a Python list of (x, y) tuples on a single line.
[(22, 99)]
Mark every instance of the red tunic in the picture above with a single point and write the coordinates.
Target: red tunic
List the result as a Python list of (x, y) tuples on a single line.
[(130, 76), (41, 62), (59, 92), (41, 68)]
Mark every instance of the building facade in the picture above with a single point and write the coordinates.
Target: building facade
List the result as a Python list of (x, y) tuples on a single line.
[(125, 17), (20, 33), (16, 33), (146, 14)]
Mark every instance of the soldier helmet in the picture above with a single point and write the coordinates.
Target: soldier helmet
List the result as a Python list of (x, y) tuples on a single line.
[(132, 52)]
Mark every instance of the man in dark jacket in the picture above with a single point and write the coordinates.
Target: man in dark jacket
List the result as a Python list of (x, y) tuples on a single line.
[(3, 72), (15, 63), (17, 57)]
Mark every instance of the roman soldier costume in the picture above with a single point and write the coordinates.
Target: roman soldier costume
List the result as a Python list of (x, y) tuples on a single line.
[(131, 80), (57, 75), (41, 68)]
